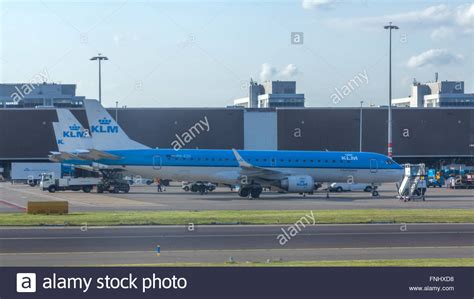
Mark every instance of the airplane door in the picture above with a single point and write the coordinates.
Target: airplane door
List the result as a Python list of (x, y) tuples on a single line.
[(156, 162), (373, 166)]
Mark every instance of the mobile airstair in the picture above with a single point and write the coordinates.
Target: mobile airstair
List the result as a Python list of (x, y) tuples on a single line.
[(413, 185)]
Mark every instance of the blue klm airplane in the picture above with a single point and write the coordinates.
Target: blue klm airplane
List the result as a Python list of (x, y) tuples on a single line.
[(107, 145)]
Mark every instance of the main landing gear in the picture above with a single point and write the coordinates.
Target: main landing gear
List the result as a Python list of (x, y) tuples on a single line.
[(374, 191), (250, 191)]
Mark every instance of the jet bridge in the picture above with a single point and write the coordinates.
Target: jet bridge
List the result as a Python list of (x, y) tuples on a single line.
[(413, 185)]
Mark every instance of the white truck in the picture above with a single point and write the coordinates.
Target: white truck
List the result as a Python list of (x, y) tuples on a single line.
[(48, 182)]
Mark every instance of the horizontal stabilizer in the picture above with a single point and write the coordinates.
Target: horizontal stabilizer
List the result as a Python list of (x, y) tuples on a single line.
[(95, 155), (97, 166), (82, 155), (63, 156)]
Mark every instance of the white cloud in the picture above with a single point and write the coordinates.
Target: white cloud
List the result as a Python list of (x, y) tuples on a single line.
[(317, 4), (434, 57), (117, 38), (289, 71), (442, 33), (269, 72), (465, 15), (439, 18)]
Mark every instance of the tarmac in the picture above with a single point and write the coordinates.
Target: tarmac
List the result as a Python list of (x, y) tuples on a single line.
[(14, 198)]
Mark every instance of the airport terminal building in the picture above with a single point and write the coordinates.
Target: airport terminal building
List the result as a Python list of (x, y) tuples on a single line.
[(434, 135), (430, 135)]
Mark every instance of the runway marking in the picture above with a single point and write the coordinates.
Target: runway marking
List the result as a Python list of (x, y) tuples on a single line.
[(10, 204), (85, 201), (37, 194), (233, 250), (397, 225), (230, 236)]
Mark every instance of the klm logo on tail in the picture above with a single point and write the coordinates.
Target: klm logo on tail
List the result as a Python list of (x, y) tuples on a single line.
[(75, 132), (104, 127)]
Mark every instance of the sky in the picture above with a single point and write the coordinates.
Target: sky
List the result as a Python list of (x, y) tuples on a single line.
[(203, 53)]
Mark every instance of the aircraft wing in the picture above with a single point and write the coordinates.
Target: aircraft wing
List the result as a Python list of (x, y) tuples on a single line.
[(258, 173)]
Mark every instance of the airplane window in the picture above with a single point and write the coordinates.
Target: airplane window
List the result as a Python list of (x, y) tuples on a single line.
[(207, 159), (304, 161), (227, 159), (326, 161), (256, 159), (333, 161), (389, 161), (289, 160), (264, 160), (311, 161), (281, 160), (296, 160)]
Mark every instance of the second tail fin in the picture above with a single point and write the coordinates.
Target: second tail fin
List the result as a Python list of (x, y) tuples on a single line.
[(70, 134)]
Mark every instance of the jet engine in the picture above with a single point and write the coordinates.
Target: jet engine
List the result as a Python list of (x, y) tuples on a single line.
[(298, 184)]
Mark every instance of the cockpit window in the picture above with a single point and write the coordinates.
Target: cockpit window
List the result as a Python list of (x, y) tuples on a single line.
[(389, 161)]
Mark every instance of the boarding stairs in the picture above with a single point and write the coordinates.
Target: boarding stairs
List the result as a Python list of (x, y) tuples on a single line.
[(413, 185)]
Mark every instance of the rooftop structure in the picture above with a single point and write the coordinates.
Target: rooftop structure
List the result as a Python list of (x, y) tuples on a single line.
[(31, 95), (436, 94), (271, 94)]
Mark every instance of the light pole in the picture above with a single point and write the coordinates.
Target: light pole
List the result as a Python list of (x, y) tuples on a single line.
[(360, 127), (100, 58), (390, 27)]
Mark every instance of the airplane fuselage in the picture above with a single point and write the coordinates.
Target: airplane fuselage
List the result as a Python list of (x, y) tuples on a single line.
[(221, 166)]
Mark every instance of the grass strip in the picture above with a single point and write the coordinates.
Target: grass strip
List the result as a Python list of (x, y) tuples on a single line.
[(430, 262), (110, 218)]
